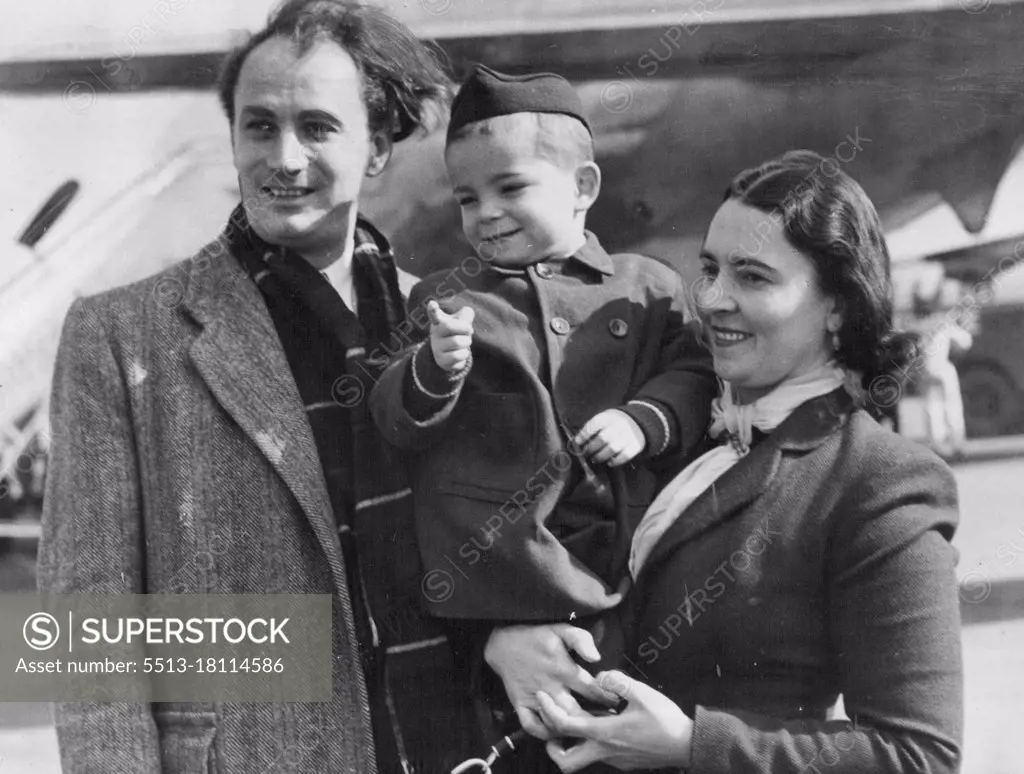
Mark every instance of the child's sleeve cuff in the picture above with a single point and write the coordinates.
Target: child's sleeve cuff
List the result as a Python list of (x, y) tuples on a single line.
[(428, 387), (656, 422), (432, 380)]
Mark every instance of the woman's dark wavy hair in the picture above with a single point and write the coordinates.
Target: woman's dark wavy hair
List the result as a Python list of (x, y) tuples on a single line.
[(826, 215), (405, 85)]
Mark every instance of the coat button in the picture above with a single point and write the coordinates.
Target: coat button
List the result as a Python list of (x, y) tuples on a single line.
[(619, 328), (544, 271), (560, 326)]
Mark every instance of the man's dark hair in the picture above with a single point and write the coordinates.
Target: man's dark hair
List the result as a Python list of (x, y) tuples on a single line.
[(405, 85)]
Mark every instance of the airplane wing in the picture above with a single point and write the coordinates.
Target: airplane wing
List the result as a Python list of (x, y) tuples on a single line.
[(985, 261), (176, 44)]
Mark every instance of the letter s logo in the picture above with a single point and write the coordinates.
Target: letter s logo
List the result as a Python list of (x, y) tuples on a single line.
[(41, 631)]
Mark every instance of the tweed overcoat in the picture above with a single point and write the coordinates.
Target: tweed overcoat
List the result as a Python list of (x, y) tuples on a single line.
[(819, 564), (183, 460)]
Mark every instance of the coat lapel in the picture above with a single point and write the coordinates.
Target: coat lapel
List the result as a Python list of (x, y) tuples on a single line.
[(737, 487), (807, 427), (238, 355)]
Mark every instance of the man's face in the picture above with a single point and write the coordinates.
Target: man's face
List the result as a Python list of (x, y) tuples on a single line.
[(517, 207), (302, 144)]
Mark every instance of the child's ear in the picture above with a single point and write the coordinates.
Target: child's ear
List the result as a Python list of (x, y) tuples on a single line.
[(588, 185)]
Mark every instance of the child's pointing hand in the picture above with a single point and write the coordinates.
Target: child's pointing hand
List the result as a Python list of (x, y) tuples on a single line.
[(451, 336)]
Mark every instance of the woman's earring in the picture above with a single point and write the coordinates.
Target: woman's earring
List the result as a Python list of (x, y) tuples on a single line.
[(835, 341)]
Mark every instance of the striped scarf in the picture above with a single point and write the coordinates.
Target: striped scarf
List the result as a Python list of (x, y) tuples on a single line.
[(326, 346)]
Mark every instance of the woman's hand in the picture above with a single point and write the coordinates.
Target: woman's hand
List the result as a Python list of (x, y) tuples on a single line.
[(650, 733), (529, 659)]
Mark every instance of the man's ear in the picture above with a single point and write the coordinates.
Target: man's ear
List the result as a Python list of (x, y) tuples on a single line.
[(588, 185), (380, 152)]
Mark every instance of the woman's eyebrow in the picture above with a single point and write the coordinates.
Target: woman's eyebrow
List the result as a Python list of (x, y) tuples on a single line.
[(707, 255), (747, 261)]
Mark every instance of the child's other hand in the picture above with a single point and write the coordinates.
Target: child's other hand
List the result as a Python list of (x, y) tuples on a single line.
[(451, 336), (612, 437)]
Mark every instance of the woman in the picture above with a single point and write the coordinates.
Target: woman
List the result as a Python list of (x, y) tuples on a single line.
[(804, 558), (219, 403)]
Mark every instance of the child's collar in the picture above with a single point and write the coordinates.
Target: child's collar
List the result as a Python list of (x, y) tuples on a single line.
[(591, 255), (594, 256)]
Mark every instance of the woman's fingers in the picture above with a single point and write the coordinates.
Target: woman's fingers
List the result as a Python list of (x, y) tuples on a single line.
[(566, 703), (560, 721), (579, 641), (617, 683), (540, 657), (577, 758), (584, 684), (652, 732), (532, 724), (563, 724)]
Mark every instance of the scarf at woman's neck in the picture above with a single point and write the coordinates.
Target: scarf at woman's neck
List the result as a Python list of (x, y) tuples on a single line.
[(733, 423)]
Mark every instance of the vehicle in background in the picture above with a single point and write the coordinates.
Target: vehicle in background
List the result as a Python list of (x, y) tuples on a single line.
[(992, 373), (992, 370)]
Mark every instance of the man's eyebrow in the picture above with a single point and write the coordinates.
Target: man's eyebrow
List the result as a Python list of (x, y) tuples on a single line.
[(257, 110), (321, 115)]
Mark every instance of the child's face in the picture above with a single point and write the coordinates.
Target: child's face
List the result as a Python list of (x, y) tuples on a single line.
[(517, 207)]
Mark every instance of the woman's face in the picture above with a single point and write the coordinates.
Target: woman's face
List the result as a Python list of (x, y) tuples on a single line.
[(302, 144), (764, 316)]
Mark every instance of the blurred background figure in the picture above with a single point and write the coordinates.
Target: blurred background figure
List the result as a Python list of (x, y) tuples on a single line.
[(944, 328)]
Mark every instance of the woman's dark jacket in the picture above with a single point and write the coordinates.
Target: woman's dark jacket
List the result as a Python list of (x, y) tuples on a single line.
[(819, 565)]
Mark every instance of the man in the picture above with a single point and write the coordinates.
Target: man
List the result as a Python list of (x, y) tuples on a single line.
[(230, 414)]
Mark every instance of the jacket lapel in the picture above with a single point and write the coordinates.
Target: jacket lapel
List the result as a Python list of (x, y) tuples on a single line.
[(807, 427), (737, 487), (238, 355)]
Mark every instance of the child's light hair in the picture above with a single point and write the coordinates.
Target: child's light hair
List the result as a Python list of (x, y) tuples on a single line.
[(560, 139)]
